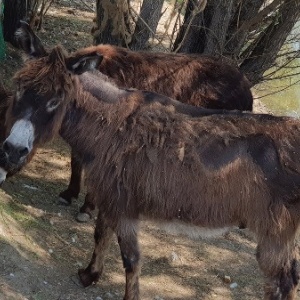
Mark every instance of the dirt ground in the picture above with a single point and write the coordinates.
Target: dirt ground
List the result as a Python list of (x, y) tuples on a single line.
[(42, 246)]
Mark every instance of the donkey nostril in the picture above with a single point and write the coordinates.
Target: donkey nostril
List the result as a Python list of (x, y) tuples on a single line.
[(7, 146), (14, 151), (23, 151)]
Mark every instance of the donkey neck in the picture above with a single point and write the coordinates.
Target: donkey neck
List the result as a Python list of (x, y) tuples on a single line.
[(101, 87), (89, 119)]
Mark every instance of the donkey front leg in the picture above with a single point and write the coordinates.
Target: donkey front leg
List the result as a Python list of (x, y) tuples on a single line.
[(103, 236), (73, 189), (278, 260), (127, 239), (85, 212)]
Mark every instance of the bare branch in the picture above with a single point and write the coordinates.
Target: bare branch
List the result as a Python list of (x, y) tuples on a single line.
[(271, 40), (279, 90), (160, 41), (247, 25), (197, 9)]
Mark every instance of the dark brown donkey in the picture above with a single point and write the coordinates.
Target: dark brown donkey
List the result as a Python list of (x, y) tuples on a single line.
[(198, 80), (146, 160)]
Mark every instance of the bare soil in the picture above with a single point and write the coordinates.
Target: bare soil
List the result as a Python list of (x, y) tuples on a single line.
[(42, 245)]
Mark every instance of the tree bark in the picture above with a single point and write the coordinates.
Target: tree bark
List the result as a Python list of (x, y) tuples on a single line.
[(205, 31), (248, 33), (240, 26), (216, 35), (2, 43), (112, 19), (146, 24), (270, 41), (191, 37)]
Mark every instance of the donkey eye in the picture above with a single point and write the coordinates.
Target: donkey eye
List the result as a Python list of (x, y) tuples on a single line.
[(52, 105)]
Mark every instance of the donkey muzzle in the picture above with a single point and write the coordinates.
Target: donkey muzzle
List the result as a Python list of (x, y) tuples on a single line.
[(2, 175), (15, 154)]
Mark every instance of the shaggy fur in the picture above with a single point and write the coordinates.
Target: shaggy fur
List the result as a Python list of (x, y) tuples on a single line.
[(193, 79), (3, 107), (198, 80), (149, 160)]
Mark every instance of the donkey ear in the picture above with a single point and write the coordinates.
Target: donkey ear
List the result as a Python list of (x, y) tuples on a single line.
[(57, 55), (84, 62), (28, 41)]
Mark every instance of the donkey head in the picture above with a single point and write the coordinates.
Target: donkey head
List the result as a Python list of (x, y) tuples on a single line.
[(32, 46), (29, 42), (44, 88)]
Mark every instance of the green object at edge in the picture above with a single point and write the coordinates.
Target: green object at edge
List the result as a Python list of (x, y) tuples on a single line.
[(2, 43)]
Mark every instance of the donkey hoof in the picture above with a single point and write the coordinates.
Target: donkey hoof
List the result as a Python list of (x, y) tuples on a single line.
[(86, 278), (83, 217), (63, 201)]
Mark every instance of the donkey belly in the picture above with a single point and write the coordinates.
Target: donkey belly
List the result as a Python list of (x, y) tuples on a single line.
[(178, 227)]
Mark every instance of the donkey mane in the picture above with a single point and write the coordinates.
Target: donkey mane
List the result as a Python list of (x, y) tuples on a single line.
[(103, 87), (103, 107), (33, 74)]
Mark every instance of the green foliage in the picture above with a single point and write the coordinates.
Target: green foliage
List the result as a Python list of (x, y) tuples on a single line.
[(2, 43)]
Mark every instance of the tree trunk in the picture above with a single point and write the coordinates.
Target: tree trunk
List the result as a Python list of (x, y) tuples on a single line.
[(239, 27), (216, 35), (191, 37), (2, 43), (146, 24), (205, 31), (14, 11), (248, 33), (112, 19), (183, 29), (271, 41)]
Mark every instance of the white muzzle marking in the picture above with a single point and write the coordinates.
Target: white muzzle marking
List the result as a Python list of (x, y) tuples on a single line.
[(2, 175), (22, 134)]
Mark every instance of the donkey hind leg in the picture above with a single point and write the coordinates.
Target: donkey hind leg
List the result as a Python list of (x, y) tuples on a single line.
[(284, 285), (128, 243), (103, 236), (278, 261), (85, 212), (73, 189)]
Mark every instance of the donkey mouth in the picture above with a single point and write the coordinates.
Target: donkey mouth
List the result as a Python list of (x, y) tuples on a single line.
[(9, 166), (3, 164), (2, 175)]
